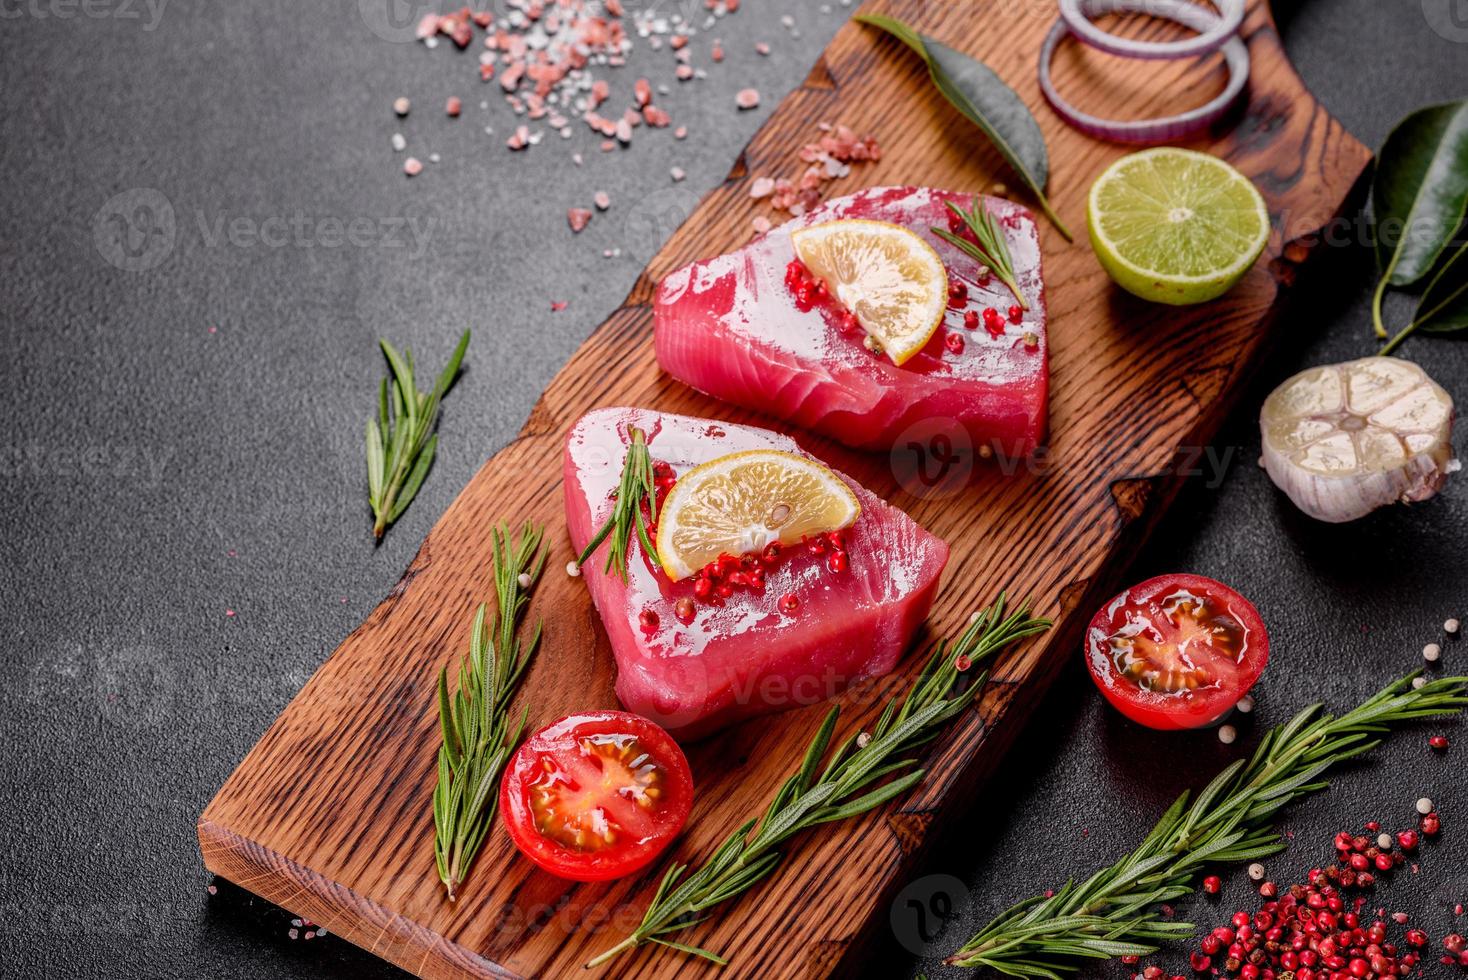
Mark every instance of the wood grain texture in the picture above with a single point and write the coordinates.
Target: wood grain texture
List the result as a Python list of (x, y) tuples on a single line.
[(347, 839)]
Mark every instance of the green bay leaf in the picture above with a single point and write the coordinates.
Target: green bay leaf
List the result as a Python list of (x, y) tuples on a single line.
[(983, 98), (1421, 190)]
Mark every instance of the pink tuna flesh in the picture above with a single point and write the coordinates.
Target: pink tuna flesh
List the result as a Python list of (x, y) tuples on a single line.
[(730, 327), (745, 657)]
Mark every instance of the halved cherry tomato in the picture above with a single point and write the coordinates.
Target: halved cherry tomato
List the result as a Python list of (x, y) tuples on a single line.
[(596, 796), (1176, 651)]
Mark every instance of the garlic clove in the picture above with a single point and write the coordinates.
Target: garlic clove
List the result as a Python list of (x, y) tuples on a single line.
[(1344, 439)]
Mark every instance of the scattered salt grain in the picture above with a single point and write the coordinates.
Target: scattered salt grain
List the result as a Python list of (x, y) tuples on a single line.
[(761, 224), (678, 173), (401, 105), (453, 107), (681, 133), (578, 218), (761, 187), (412, 166), (557, 305), (434, 158), (747, 98), (763, 49), (603, 200), (399, 142)]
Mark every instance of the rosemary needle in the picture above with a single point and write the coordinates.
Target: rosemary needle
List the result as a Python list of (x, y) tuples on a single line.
[(401, 441), (1117, 911), (989, 248), (635, 491), (816, 795), (477, 735)]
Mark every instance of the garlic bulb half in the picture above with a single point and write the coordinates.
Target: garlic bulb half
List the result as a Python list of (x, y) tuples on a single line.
[(1344, 439)]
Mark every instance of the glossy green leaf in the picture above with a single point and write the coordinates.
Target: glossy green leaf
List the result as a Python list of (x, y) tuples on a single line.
[(1444, 306), (1421, 190), (982, 97), (1419, 198)]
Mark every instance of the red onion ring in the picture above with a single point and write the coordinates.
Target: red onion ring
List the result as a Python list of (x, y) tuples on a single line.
[(1231, 17), (1235, 53)]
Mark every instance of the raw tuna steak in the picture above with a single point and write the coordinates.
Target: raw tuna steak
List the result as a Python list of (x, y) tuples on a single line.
[(730, 327), (744, 657)]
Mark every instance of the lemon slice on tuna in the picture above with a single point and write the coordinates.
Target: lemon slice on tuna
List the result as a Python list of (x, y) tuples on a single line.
[(740, 503), (887, 276)]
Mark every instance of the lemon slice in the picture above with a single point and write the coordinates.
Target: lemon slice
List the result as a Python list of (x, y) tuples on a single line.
[(885, 275), (742, 502), (1176, 226)]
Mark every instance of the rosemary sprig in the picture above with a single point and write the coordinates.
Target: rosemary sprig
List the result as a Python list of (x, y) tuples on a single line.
[(401, 441), (477, 736), (991, 250), (1116, 912), (816, 795), (635, 489)]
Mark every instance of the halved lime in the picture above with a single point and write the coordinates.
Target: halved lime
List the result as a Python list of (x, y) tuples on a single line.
[(1176, 226)]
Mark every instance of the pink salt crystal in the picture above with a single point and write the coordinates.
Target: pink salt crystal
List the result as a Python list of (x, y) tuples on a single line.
[(603, 200), (656, 117), (428, 26), (717, 52), (578, 218), (599, 92), (761, 224), (678, 42), (685, 72), (624, 131), (401, 105), (680, 133), (412, 166), (747, 98), (762, 187), (557, 305), (454, 106), (486, 71), (678, 173), (608, 146), (762, 48), (642, 91)]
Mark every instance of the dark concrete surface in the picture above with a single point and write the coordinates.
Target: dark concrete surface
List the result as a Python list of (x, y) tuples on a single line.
[(182, 441)]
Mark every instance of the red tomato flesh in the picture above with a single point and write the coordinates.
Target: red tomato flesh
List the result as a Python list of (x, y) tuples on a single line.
[(1176, 651), (596, 796)]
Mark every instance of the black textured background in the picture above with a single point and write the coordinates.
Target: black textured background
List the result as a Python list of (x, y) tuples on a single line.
[(158, 473)]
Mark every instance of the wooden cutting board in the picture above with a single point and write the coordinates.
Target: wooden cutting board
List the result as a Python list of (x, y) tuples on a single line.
[(348, 839)]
